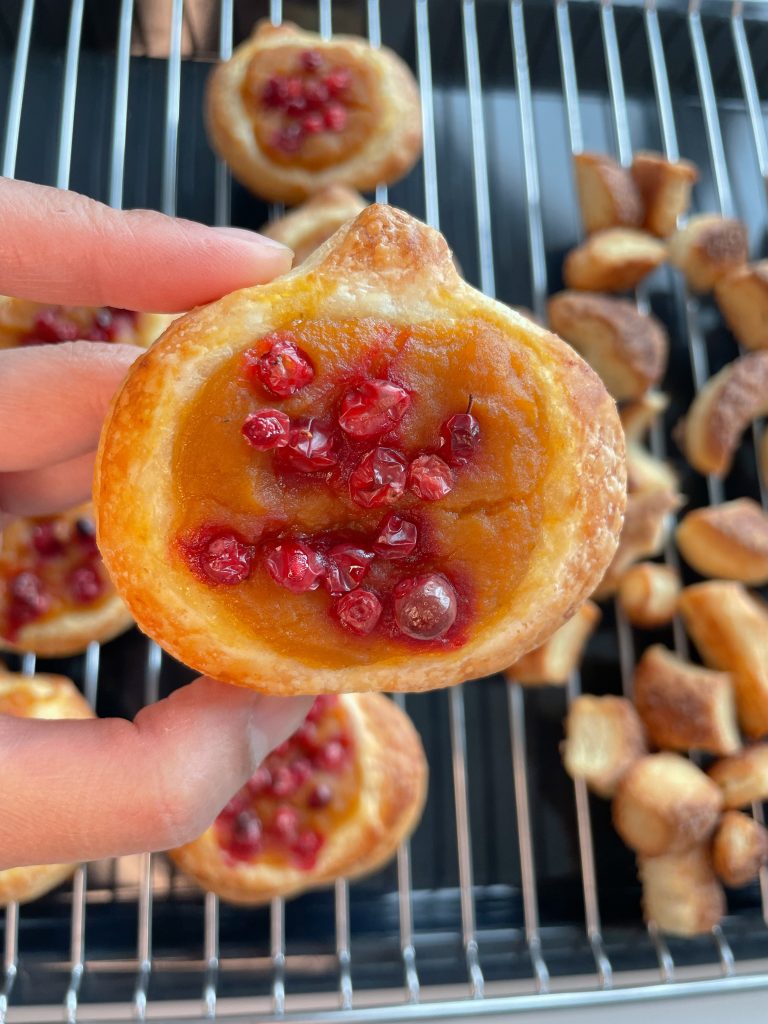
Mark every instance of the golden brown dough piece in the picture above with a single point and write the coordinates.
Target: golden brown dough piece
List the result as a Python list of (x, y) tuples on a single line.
[(557, 657), (681, 894), (334, 801), (313, 223), (665, 804), (608, 195), (665, 188), (729, 541), (708, 248), (344, 558), (292, 113), (683, 706), (722, 411), (743, 777), (648, 594), (41, 696), (742, 297), (626, 347), (644, 471), (603, 739), (739, 849), (730, 629), (646, 527), (614, 260)]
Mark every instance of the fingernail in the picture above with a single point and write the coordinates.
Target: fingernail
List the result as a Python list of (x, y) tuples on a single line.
[(243, 235)]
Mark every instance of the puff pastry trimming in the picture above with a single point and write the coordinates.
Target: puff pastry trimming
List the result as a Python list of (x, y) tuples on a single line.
[(665, 188), (291, 112), (334, 801), (41, 696), (613, 260), (313, 223), (32, 323), (707, 248), (365, 475), (729, 541), (742, 297), (55, 595), (608, 195)]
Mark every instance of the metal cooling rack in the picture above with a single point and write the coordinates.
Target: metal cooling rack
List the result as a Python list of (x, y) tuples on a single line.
[(515, 894)]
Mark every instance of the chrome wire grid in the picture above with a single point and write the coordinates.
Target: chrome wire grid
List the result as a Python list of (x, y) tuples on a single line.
[(484, 916)]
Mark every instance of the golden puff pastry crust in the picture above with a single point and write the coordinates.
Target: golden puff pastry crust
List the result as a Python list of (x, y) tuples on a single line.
[(41, 696), (728, 541), (390, 796), (608, 195), (23, 322), (358, 130), (55, 595), (524, 534), (312, 223), (665, 187), (613, 260)]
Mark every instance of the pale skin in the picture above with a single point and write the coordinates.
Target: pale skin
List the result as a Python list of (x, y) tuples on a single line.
[(81, 790)]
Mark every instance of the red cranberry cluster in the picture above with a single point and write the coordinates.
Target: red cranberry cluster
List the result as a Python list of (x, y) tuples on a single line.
[(54, 549), (53, 325), (311, 100), (277, 809)]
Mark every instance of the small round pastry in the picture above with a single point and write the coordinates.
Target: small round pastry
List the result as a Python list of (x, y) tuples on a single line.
[(32, 323), (41, 696), (291, 113), (55, 595), (365, 475), (313, 223), (333, 801)]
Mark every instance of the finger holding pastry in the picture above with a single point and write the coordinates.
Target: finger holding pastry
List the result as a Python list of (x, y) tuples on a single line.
[(309, 225)]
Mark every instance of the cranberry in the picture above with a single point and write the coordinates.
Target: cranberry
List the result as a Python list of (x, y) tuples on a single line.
[(45, 540), (332, 756), (267, 429), (459, 437), (274, 93), (259, 782), (283, 749), (337, 81), (293, 88), (359, 611), (430, 478), (306, 737), (85, 532), (379, 479), (307, 846), (312, 123), (289, 140), (294, 565), (285, 823), (396, 538), (302, 772), (321, 704), (246, 836), (311, 446), (335, 117), (373, 408), (425, 606), (283, 369), (347, 567), (222, 556), (85, 584), (235, 806), (320, 796), (284, 782), (295, 107), (29, 597), (316, 95), (311, 60), (52, 325), (111, 323)]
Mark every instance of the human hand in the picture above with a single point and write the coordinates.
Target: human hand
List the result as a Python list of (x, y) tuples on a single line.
[(85, 789)]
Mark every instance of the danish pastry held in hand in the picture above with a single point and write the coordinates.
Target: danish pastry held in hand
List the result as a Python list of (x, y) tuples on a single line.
[(365, 475), (333, 801), (291, 113)]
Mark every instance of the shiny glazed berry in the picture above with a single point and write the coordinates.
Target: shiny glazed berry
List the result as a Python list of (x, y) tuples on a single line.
[(285, 823), (311, 60), (359, 611), (459, 437), (373, 408), (29, 597), (425, 606), (52, 326), (85, 584), (45, 540), (283, 369), (267, 429), (247, 839), (320, 796), (284, 783), (379, 478), (260, 781), (337, 81), (294, 565), (307, 846), (335, 117), (347, 566), (397, 537), (224, 557), (311, 446), (85, 533), (430, 478)]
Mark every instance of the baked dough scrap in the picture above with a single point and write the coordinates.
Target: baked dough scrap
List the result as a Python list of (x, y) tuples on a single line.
[(41, 696), (729, 541), (729, 626), (32, 323), (739, 849), (604, 737), (742, 297), (665, 189), (518, 529), (330, 805), (608, 195), (614, 260), (648, 594), (743, 777), (313, 223), (721, 412), (681, 893), (708, 248), (627, 348), (291, 113), (645, 472), (55, 595), (555, 659)]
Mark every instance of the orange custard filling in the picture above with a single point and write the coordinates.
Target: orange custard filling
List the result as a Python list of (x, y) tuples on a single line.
[(355, 482)]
